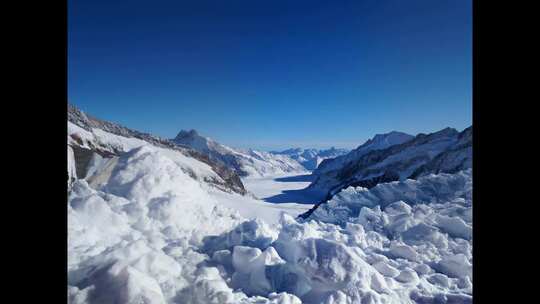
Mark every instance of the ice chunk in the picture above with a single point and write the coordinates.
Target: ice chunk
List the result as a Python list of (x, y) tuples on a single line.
[(439, 279), (386, 269), (243, 258), (455, 226), (455, 266), (407, 276), (403, 251)]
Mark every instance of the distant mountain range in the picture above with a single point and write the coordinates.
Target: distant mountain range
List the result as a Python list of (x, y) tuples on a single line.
[(384, 158), (311, 158), (153, 220), (244, 162)]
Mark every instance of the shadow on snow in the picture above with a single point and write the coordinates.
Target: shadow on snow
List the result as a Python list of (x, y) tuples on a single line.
[(300, 196), (296, 178)]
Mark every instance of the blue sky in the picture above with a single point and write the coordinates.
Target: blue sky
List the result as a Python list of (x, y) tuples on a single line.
[(273, 74)]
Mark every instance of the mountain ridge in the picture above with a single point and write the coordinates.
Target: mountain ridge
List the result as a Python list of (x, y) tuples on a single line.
[(85, 150), (245, 163), (310, 158)]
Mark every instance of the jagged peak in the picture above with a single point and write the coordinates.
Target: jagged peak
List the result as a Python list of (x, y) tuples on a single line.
[(390, 134), (192, 133)]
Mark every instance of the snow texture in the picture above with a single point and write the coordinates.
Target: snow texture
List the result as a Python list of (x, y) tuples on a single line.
[(150, 233), (146, 226)]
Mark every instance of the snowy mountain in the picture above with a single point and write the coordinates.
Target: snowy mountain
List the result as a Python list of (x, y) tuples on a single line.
[(397, 157), (378, 142), (94, 143), (244, 162), (311, 158), (155, 221), (153, 234)]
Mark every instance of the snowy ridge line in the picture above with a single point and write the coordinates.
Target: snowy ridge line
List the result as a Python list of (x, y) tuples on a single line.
[(117, 146), (444, 151), (246, 163), (378, 142)]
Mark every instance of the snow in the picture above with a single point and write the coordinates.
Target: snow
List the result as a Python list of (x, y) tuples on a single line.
[(311, 158), (145, 227), (283, 188), (392, 250), (260, 164), (444, 151), (378, 142), (112, 142), (246, 162), (72, 172), (251, 208), (135, 237)]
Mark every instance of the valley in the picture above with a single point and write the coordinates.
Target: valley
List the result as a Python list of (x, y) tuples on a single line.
[(190, 220)]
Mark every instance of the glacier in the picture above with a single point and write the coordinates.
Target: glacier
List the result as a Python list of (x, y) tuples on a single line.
[(152, 222), (139, 237)]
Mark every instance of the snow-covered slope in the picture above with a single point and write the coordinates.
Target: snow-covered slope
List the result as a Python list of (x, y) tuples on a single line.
[(150, 233), (245, 163), (92, 142), (148, 222), (311, 158), (444, 151), (378, 142), (400, 242), (134, 238)]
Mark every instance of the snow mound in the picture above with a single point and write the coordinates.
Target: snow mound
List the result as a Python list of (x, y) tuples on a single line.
[(431, 189), (135, 239), (402, 242)]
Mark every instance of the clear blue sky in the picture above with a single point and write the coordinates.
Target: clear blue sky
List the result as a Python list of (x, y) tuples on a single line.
[(273, 74)]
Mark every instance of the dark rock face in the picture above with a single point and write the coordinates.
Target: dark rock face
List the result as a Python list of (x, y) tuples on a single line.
[(388, 176), (79, 118), (455, 159), (82, 159)]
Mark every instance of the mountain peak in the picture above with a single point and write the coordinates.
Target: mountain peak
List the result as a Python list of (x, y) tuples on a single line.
[(446, 132), (386, 139), (187, 134)]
